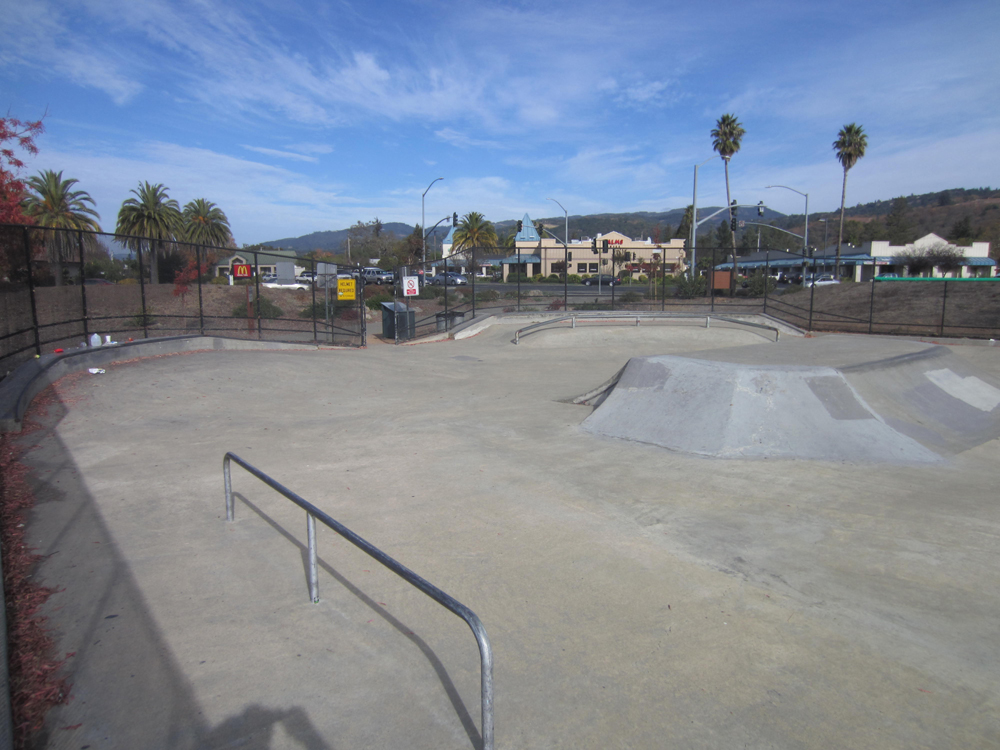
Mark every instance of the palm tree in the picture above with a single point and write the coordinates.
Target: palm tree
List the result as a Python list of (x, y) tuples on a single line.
[(205, 224), (151, 219), (850, 146), (55, 205), (726, 139), (474, 232)]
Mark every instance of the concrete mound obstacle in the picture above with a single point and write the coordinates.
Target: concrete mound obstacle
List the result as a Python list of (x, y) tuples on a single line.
[(911, 409)]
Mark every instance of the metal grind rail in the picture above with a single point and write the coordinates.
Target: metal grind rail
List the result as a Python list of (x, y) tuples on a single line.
[(446, 601), (637, 317)]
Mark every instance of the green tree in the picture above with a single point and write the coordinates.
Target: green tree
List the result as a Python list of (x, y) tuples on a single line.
[(850, 146), (205, 224), (898, 224), (684, 229), (724, 235), (148, 222), (474, 232), (54, 204), (726, 138)]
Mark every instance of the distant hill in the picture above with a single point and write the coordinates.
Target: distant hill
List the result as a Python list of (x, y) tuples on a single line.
[(974, 210)]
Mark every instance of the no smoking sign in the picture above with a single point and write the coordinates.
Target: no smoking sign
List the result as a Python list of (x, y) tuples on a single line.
[(411, 286)]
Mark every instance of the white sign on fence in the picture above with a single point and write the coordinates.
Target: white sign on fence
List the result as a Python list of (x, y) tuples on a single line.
[(411, 286)]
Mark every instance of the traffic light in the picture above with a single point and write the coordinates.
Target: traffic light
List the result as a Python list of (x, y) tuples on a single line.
[(454, 219), (760, 208), (733, 208), (520, 224), (593, 246), (605, 245)]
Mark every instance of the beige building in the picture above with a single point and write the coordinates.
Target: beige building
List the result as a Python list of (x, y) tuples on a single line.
[(615, 253)]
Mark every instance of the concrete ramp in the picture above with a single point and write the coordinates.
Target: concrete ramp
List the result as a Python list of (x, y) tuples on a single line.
[(750, 411), (932, 396)]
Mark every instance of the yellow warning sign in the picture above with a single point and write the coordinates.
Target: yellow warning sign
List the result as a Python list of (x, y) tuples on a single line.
[(346, 289)]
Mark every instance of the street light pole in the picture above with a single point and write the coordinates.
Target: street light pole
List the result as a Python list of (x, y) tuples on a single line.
[(805, 236), (423, 229), (565, 249), (694, 218)]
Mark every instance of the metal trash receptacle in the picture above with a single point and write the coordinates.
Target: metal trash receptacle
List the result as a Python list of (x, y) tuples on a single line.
[(398, 321)]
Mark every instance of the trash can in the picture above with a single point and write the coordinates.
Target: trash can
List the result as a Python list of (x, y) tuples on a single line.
[(448, 320), (398, 321)]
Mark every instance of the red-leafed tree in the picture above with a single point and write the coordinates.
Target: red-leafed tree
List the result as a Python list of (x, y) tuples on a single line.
[(15, 134), (189, 275)]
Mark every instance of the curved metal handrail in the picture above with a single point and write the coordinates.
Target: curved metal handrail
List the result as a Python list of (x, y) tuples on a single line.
[(637, 316), (445, 600)]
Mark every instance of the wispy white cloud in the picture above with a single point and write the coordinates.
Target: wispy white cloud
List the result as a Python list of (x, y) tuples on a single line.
[(455, 138), (280, 154)]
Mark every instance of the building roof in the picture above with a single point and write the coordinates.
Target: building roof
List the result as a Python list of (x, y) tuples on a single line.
[(528, 232)]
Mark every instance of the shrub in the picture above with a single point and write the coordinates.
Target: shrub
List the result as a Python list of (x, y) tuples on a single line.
[(268, 310), (510, 295), (513, 278), (553, 279), (630, 298), (557, 304), (688, 287), (490, 295), (140, 320), (220, 280), (375, 301), (757, 283), (574, 278), (594, 306), (643, 279)]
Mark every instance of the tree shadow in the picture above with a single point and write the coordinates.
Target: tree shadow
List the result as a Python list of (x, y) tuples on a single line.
[(446, 682), (254, 730)]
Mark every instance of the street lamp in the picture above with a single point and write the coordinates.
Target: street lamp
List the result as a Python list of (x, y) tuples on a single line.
[(423, 231), (565, 243), (694, 218), (805, 236)]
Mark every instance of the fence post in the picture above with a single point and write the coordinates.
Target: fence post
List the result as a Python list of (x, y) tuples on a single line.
[(83, 287), (473, 269), (711, 280), (518, 277), (142, 289), (256, 283), (201, 302), (315, 278), (944, 302), (812, 292), (31, 291), (767, 275), (871, 306)]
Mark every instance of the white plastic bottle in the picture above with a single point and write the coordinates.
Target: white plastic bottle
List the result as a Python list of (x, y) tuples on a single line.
[(95, 339)]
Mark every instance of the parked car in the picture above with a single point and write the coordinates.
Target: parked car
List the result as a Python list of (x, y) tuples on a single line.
[(373, 275), (603, 280), (269, 278), (307, 277), (822, 281), (286, 285), (448, 279)]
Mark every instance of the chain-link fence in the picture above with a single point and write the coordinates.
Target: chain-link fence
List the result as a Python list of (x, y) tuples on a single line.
[(450, 291), (60, 288)]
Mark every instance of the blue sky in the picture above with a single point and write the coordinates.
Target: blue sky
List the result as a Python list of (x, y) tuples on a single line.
[(297, 117)]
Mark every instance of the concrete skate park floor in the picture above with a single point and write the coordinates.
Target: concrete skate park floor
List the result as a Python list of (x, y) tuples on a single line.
[(635, 597)]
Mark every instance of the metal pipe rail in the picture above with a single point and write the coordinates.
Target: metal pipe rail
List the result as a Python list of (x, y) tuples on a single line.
[(446, 601), (642, 316)]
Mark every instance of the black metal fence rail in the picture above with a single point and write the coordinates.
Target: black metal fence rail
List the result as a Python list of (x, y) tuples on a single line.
[(445, 600), (52, 295)]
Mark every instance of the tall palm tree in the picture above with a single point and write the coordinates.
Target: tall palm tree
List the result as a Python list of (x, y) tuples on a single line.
[(850, 146), (55, 205), (152, 218), (474, 232), (726, 139), (205, 224)]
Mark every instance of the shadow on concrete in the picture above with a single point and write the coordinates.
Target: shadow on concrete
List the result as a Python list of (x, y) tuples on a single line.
[(127, 689), (446, 682)]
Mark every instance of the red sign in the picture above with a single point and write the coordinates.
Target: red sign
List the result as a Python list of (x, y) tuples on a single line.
[(242, 271)]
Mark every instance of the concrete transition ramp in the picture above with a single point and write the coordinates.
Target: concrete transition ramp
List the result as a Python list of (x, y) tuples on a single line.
[(911, 409)]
